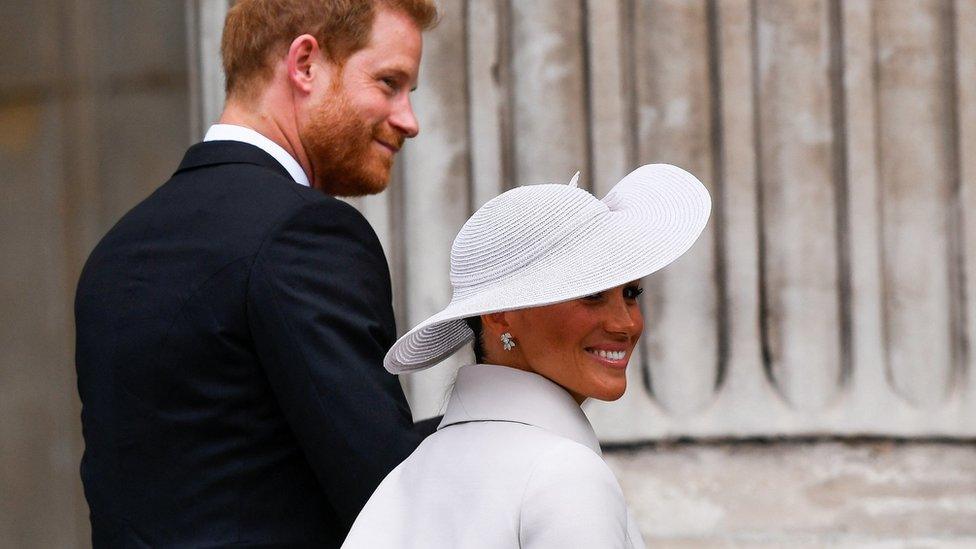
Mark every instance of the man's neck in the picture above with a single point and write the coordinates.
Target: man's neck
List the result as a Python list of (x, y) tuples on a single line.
[(260, 120)]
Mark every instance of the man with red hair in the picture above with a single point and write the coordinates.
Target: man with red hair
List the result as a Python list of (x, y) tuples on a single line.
[(231, 328)]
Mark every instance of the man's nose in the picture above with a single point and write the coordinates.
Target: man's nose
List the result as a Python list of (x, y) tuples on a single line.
[(404, 120)]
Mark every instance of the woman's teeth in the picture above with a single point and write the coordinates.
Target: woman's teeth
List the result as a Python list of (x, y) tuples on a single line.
[(611, 355)]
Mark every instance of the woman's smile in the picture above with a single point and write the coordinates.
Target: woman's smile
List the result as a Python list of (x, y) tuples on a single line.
[(612, 356)]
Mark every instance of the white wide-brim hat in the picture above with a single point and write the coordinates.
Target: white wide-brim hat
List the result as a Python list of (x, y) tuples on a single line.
[(543, 244)]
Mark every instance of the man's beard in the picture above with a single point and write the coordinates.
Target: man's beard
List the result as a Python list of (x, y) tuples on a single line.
[(340, 145)]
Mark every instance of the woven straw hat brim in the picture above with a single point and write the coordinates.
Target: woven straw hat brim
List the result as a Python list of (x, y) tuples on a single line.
[(652, 217)]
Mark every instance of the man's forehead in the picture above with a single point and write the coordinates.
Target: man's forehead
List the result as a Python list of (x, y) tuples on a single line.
[(394, 44), (392, 29)]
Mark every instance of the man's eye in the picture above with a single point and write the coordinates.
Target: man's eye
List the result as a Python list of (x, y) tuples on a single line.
[(390, 83)]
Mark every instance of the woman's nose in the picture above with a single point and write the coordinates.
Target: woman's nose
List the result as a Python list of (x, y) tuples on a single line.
[(623, 317)]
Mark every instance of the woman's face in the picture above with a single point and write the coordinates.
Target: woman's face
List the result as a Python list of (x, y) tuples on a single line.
[(584, 345)]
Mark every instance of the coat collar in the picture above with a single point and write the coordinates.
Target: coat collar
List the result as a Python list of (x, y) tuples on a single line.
[(233, 132), (211, 153), (485, 392)]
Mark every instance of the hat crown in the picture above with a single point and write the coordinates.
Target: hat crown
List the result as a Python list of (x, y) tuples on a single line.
[(516, 229)]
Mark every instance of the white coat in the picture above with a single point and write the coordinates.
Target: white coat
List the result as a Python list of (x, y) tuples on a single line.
[(514, 463)]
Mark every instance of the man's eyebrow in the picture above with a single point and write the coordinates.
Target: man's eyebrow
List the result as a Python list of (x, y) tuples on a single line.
[(395, 71)]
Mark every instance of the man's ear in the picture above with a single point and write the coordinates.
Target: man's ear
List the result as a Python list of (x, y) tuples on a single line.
[(302, 54)]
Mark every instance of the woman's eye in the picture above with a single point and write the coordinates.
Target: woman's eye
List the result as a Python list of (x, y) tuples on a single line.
[(633, 292), (593, 297)]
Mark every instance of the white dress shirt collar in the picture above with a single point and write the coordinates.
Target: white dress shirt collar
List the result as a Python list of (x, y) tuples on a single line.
[(232, 132), (485, 392)]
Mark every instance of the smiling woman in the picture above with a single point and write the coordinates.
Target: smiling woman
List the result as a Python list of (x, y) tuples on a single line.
[(546, 280), (583, 345)]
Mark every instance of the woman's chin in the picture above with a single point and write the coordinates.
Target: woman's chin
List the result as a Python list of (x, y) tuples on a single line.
[(611, 393)]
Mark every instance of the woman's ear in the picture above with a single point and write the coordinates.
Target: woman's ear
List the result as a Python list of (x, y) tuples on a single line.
[(495, 323)]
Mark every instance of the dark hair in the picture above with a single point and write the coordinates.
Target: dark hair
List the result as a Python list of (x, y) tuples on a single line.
[(474, 322)]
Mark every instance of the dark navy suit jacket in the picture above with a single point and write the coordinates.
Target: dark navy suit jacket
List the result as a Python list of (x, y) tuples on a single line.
[(230, 336)]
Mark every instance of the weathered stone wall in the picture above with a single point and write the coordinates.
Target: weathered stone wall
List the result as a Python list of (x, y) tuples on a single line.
[(878, 494), (832, 292), (94, 115)]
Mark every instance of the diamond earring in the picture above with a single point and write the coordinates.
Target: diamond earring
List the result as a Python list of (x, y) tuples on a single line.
[(508, 342)]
